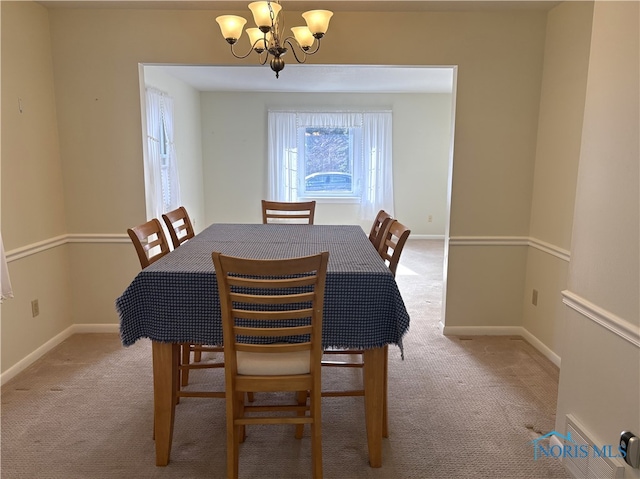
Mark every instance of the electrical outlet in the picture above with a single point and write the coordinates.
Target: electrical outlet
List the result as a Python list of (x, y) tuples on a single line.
[(534, 297), (430, 219), (35, 308)]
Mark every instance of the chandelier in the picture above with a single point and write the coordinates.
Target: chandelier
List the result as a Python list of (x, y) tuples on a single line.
[(267, 38)]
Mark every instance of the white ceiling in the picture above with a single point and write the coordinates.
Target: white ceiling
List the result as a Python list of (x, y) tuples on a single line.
[(316, 78)]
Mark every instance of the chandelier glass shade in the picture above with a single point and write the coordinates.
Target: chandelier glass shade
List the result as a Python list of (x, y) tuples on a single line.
[(267, 38)]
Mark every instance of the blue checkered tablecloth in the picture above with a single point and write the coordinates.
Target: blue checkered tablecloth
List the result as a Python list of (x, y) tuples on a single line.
[(176, 298)]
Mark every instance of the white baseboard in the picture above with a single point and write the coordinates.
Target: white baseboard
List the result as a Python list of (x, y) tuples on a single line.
[(96, 328), (482, 330), (423, 237), (541, 347), (502, 331), (31, 358)]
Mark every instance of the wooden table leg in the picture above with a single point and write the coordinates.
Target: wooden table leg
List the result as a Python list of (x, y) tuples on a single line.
[(373, 402), (385, 394), (165, 377)]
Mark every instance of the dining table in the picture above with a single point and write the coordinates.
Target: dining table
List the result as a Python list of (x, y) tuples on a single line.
[(175, 300)]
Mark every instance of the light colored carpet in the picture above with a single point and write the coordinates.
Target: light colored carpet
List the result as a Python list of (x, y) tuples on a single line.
[(458, 408)]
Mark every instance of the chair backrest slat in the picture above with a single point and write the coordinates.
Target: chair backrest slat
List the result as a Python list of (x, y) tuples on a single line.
[(273, 332), (273, 315), (273, 283), (278, 299)]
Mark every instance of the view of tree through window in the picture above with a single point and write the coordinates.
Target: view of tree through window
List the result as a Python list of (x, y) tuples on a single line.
[(326, 149), (328, 160)]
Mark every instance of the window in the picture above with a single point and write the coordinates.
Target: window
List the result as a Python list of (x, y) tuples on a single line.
[(332, 155), (329, 161), (162, 187)]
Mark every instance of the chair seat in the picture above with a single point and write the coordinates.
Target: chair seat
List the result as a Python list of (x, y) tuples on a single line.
[(273, 364)]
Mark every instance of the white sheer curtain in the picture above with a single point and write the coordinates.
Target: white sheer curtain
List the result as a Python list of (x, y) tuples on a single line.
[(171, 187), (283, 148), (162, 185), (376, 190), (5, 282)]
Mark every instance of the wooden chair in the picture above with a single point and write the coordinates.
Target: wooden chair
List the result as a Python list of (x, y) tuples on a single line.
[(179, 226), (181, 230), (378, 227), (149, 241), (151, 245), (393, 238), (288, 212), (262, 301), (392, 243)]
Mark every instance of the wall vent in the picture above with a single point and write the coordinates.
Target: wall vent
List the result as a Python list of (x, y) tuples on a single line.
[(592, 466)]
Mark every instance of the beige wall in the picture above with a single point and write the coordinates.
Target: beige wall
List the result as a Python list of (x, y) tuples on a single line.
[(33, 206), (421, 139), (564, 81), (600, 375), (95, 73), (500, 58), (32, 174)]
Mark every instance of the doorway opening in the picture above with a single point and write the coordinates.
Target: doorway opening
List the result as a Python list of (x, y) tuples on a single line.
[(221, 135)]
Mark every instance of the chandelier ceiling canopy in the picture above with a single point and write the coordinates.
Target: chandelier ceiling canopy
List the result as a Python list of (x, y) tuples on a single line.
[(268, 38)]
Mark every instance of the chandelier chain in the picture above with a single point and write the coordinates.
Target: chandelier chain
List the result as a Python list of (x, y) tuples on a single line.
[(274, 27)]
